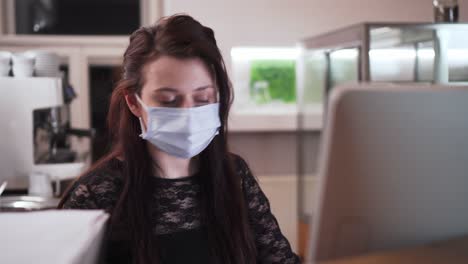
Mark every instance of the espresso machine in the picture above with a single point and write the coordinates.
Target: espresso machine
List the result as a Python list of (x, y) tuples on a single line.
[(36, 133)]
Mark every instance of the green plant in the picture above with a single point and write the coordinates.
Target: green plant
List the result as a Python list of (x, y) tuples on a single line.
[(280, 76)]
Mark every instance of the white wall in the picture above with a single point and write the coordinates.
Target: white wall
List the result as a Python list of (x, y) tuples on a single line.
[(283, 22)]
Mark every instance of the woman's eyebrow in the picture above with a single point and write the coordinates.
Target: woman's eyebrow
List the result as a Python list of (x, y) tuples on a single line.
[(166, 89), (204, 87), (173, 90)]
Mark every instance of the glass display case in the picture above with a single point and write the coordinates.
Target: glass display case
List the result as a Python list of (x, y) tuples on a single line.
[(369, 52), (433, 53)]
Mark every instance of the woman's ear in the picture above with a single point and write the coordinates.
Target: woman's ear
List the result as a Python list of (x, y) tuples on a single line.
[(133, 105)]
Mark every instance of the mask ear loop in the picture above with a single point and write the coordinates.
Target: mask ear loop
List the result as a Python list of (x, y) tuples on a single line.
[(141, 102), (217, 113), (143, 131), (142, 125)]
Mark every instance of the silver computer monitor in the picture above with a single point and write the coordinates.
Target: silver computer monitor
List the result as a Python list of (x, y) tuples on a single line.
[(393, 170)]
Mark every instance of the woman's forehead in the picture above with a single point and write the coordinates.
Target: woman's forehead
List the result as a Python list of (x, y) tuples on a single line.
[(179, 75)]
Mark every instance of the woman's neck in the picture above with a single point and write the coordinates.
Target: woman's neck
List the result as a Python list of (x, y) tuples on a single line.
[(171, 167)]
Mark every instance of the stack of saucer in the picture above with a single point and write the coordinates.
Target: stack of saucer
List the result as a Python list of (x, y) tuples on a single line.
[(47, 63)]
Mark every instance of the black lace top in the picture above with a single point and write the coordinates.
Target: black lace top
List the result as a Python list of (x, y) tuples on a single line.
[(176, 221)]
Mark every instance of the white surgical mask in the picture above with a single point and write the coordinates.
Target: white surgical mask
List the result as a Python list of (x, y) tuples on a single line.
[(180, 132)]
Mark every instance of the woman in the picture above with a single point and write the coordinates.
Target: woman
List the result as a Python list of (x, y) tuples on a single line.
[(174, 192)]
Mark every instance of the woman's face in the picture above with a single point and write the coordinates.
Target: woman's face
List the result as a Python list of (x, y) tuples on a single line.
[(173, 82)]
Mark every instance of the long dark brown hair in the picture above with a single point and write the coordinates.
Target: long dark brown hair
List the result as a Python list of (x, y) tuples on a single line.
[(223, 208)]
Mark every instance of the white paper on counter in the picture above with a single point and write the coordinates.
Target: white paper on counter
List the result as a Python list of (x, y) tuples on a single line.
[(52, 236)]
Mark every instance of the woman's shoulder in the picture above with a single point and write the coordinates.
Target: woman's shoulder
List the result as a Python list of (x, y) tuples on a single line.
[(105, 175), (243, 170), (240, 165), (98, 188)]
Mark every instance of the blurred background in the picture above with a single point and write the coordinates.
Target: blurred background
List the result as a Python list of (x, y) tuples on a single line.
[(282, 57)]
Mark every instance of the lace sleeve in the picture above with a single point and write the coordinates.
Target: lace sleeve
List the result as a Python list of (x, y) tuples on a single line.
[(98, 189), (272, 246), (79, 198)]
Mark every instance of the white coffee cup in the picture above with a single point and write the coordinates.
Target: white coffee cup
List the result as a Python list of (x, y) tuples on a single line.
[(4, 69), (22, 58), (40, 184), (23, 65), (5, 54)]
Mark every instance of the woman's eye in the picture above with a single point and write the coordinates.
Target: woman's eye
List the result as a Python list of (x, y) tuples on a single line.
[(202, 99), (165, 100), (201, 102), (168, 103)]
